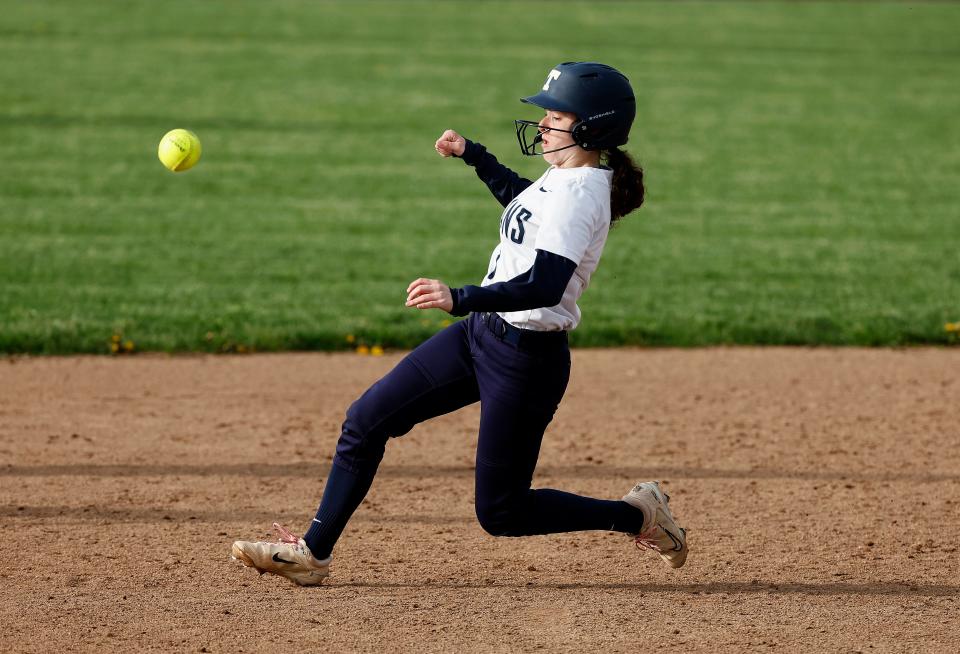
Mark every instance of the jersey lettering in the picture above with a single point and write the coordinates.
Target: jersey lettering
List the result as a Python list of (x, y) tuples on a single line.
[(507, 217), (516, 234), (554, 74)]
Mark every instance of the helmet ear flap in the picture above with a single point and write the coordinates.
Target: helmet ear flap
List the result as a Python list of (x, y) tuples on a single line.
[(585, 135), (582, 134)]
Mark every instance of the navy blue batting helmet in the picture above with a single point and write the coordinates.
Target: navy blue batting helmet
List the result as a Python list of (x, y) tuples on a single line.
[(599, 95)]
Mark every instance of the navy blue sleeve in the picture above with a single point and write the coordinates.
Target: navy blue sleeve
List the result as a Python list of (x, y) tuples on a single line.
[(541, 286), (502, 182)]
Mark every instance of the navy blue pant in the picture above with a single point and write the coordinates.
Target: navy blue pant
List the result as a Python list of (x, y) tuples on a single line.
[(519, 389)]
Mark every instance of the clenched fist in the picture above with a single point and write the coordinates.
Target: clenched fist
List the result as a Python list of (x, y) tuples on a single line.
[(429, 294), (450, 144)]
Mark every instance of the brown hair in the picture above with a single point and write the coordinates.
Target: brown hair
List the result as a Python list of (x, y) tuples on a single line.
[(626, 193)]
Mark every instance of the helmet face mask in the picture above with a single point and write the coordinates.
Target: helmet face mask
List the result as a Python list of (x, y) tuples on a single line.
[(600, 96), (528, 143)]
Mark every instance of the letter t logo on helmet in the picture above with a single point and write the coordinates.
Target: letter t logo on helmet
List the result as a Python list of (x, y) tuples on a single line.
[(554, 74), (599, 95)]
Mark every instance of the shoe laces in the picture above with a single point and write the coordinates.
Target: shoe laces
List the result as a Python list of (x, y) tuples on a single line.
[(286, 536), (645, 539)]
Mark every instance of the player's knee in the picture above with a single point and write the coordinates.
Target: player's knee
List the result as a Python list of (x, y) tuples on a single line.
[(359, 442), (501, 518), (494, 523), (376, 417), (354, 451)]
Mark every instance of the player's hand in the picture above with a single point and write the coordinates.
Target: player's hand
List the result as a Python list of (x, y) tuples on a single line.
[(429, 294), (450, 144)]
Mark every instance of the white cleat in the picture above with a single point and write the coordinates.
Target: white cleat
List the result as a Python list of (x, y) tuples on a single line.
[(660, 532), (289, 557)]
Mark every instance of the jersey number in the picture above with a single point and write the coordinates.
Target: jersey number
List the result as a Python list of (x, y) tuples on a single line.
[(494, 271)]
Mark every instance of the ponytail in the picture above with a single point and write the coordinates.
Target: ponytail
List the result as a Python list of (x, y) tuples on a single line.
[(626, 193)]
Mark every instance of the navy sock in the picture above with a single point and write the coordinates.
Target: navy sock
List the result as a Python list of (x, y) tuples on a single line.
[(554, 511), (341, 496)]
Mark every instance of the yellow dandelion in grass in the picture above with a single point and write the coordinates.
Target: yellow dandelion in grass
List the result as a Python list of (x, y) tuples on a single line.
[(350, 338), (114, 347), (128, 346), (363, 350), (116, 338), (952, 327), (376, 351)]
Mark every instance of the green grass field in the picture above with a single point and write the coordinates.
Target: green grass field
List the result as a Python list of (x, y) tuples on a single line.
[(802, 159)]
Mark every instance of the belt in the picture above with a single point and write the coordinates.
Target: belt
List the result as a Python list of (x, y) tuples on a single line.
[(522, 338)]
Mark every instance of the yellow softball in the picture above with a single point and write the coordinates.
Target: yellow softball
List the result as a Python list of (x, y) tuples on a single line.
[(179, 150)]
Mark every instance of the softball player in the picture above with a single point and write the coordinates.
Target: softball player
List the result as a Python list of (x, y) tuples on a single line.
[(511, 353)]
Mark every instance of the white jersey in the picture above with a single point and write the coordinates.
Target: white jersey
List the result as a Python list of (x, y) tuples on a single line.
[(567, 212)]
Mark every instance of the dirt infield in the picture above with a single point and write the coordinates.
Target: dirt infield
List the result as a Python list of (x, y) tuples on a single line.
[(820, 489)]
